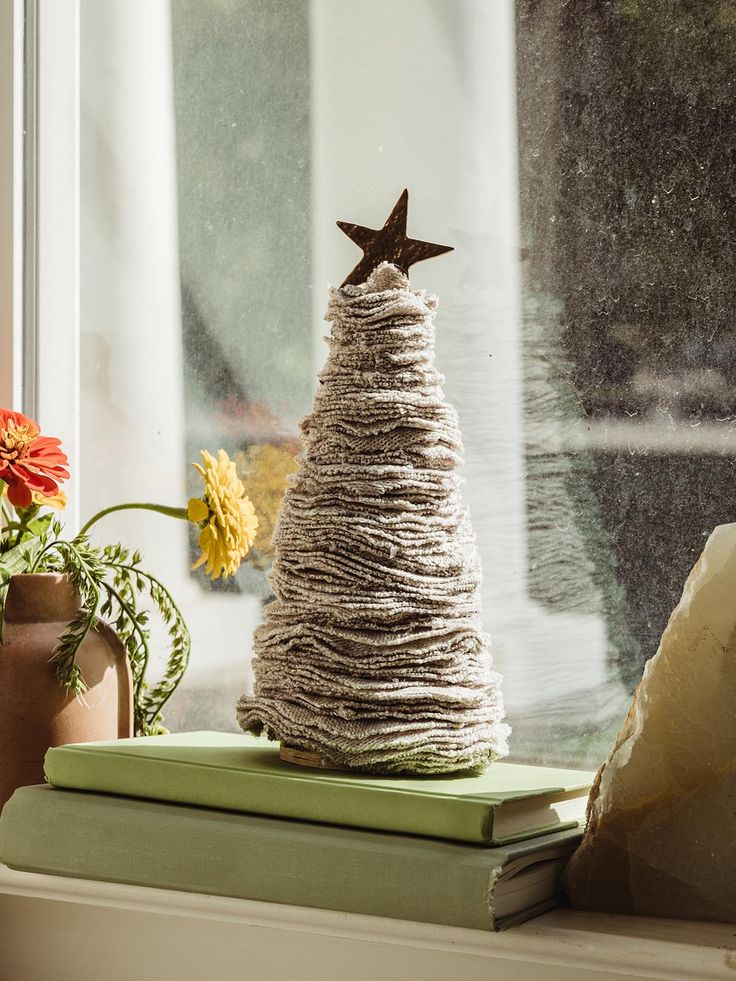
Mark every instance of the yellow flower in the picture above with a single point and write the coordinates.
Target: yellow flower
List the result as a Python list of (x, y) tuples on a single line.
[(226, 516), (56, 501), (265, 470)]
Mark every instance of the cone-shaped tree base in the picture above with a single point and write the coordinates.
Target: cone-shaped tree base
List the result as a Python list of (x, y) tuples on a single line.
[(304, 757)]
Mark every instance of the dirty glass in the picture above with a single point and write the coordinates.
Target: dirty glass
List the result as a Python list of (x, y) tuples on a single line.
[(579, 158)]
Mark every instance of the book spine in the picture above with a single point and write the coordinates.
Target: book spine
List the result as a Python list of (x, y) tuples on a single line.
[(91, 836)]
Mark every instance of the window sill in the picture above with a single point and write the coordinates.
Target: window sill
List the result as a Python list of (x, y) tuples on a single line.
[(125, 933)]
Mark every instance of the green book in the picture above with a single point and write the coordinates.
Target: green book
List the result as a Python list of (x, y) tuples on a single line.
[(244, 773), (245, 856)]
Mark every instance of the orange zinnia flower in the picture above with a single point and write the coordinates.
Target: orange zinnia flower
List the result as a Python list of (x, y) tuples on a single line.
[(29, 462)]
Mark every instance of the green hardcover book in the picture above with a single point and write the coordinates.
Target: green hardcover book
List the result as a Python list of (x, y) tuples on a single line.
[(243, 773), (220, 853)]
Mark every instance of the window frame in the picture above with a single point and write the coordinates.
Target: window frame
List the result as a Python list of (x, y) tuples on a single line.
[(560, 945), (12, 32), (39, 219)]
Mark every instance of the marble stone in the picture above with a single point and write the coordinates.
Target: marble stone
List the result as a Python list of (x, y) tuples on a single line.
[(662, 812)]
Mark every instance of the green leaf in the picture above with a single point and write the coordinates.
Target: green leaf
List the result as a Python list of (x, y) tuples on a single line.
[(40, 525), (15, 561)]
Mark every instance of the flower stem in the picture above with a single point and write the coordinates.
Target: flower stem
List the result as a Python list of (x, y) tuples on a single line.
[(170, 512), (6, 512), (25, 516), (7, 515)]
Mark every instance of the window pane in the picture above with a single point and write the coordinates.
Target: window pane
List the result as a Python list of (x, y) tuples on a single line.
[(578, 156), (196, 193), (626, 189)]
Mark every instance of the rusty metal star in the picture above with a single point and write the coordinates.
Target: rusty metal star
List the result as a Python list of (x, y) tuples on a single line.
[(388, 244)]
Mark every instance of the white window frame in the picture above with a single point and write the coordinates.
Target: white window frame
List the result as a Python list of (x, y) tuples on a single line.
[(39, 218), (12, 24), (174, 934)]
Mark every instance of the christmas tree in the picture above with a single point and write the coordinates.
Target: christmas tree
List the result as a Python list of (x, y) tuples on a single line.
[(373, 656)]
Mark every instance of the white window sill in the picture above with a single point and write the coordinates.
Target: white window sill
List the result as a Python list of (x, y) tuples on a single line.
[(75, 929)]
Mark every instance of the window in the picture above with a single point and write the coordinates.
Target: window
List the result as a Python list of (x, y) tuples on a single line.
[(577, 155)]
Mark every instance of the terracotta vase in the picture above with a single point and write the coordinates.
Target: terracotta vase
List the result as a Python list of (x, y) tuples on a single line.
[(35, 711)]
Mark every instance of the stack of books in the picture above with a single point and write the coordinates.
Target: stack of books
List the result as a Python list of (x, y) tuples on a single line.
[(222, 814)]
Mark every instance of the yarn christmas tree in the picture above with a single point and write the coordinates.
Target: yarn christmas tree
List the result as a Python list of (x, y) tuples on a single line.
[(372, 656)]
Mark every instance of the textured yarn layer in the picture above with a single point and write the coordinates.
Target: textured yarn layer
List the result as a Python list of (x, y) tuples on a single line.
[(373, 653)]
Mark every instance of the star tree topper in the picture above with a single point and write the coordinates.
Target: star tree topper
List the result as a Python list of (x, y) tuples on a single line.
[(388, 244)]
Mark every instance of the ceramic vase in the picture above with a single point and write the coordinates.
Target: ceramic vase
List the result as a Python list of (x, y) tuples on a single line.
[(35, 711)]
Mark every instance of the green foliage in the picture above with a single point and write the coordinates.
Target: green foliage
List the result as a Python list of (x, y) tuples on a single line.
[(112, 587), (14, 560), (130, 583)]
